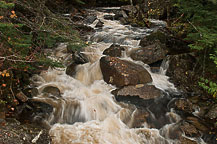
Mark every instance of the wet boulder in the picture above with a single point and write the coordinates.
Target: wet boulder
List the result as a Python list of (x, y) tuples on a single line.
[(90, 19), (189, 130), (114, 50), (122, 73), (184, 105), (77, 58), (149, 54), (71, 69), (142, 91)]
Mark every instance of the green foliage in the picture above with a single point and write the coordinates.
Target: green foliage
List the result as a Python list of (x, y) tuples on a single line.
[(202, 18), (209, 86), (198, 21), (5, 5), (27, 28)]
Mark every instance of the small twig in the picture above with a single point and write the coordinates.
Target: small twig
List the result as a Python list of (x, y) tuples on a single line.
[(42, 23), (178, 19), (15, 60), (37, 137), (195, 28)]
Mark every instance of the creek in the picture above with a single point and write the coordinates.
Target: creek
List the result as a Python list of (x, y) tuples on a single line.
[(87, 112)]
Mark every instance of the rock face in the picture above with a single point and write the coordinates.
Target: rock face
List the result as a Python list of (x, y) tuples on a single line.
[(168, 42), (122, 73), (181, 72), (143, 91), (149, 54), (114, 50)]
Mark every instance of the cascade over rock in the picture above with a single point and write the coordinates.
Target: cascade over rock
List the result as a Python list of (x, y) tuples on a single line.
[(122, 73)]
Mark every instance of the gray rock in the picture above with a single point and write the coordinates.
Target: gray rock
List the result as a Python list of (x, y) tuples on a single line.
[(90, 19)]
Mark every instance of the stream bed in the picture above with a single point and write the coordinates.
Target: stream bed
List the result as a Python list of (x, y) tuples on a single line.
[(91, 108)]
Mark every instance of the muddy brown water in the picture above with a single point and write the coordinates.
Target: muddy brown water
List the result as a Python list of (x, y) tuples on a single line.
[(87, 112)]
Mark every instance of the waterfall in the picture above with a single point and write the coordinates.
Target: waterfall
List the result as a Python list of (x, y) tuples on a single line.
[(87, 112)]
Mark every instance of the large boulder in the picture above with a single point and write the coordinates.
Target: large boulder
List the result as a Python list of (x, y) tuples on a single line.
[(114, 50), (122, 73), (149, 54)]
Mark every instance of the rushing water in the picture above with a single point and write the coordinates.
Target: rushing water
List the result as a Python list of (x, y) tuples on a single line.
[(87, 112)]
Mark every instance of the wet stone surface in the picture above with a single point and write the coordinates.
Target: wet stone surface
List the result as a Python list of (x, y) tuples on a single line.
[(122, 73)]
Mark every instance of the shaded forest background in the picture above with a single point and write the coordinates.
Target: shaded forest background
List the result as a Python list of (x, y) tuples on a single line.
[(27, 28)]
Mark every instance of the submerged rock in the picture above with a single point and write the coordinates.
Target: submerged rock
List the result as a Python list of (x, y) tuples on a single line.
[(149, 54), (122, 73), (114, 50)]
